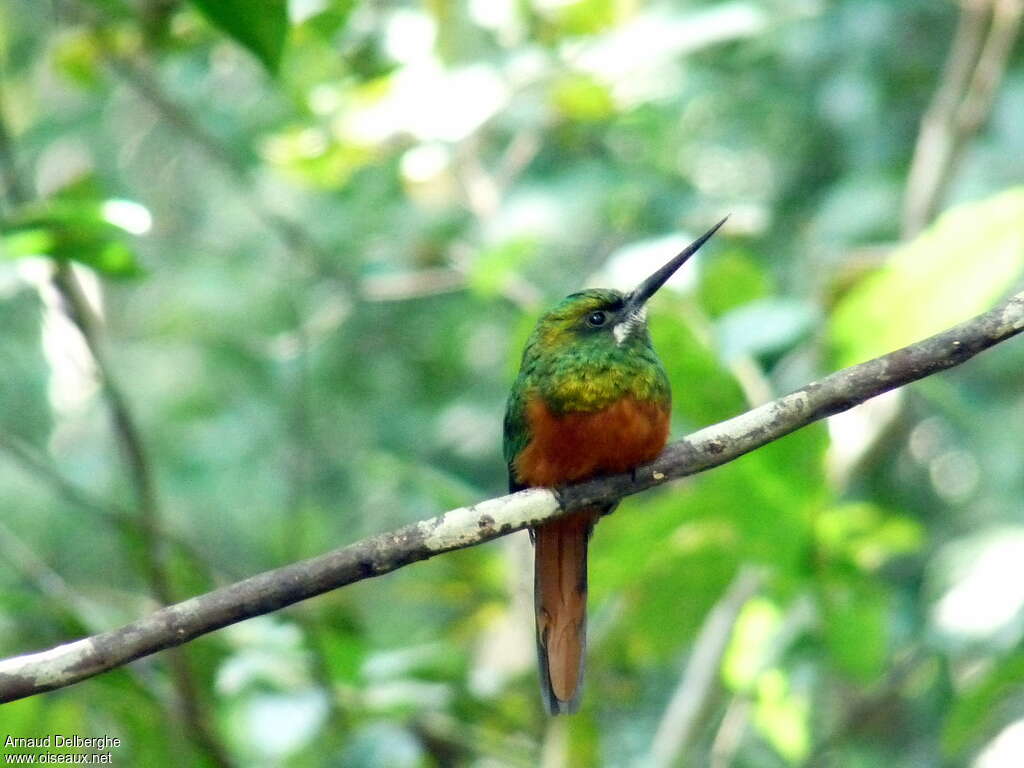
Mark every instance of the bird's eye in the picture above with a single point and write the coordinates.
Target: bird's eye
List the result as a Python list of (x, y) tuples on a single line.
[(597, 319)]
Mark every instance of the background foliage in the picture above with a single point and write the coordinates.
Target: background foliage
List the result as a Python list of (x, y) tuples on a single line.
[(315, 234)]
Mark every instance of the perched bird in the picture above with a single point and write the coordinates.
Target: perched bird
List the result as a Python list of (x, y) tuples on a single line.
[(591, 398)]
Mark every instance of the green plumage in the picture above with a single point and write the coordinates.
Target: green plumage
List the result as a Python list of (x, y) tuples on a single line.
[(577, 367)]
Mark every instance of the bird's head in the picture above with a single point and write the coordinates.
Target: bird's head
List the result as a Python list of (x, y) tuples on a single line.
[(603, 319)]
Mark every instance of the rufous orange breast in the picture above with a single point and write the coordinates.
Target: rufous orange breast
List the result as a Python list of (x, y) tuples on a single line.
[(573, 446)]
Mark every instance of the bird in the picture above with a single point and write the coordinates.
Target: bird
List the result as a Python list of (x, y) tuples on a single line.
[(591, 398)]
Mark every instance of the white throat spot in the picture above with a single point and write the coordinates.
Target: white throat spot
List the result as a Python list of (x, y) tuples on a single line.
[(624, 328)]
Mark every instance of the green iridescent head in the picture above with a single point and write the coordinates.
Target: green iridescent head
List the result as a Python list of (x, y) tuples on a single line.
[(599, 319)]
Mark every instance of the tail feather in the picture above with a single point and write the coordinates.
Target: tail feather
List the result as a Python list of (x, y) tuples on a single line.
[(560, 599)]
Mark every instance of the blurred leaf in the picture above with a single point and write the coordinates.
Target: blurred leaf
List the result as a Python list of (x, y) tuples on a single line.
[(764, 327), (70, 230), (783, 715), (583, 98), (26, 371), (753, 637), (585, 17), (583, 740), (259, 25), (77, 57), (495, 266), (26, 242), (730, 280), (666, 572), (267, 653), (382, 744), (855, 626), (35, 716), (331, 19), (978, 580), (704, 391), (863, 535), (954, 270), (272, 726), (311, 156), (345, 652), (980, 711), (770, 496)]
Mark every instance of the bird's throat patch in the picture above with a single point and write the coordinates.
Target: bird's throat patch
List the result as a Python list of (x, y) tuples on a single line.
[(632, 322)]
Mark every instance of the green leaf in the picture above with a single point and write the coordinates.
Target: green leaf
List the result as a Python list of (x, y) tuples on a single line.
[(783, 715), (583, 98), (751, 644), (979, 712), (863, 535), (730, 280), (259, 25), (77, 57), (705, 390), (69, 230), (494, 267), (20, 244), (764, 327), (956, 269), (855, 627), (585, 17), (327, 22)]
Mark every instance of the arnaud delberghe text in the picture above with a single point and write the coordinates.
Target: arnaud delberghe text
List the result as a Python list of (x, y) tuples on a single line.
[(56, 741)]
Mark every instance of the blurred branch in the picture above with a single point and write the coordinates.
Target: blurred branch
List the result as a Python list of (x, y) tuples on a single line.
[(429, 281), (455, 742), (467, 526), (46, 581), (77, 308), (870, 710), (52, 586), (17, 193), (988, 74), (36, 464), (961, 105), (291, 233), (698, 681), (14, 190), (140, 473), (124, 426), (730, 732), (32, 462), (483, 192), (800, 615)]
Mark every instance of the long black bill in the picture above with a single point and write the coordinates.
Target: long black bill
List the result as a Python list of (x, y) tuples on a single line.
[(639, 295)]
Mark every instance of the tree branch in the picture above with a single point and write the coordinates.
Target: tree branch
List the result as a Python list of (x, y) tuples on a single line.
[(78, 310), (51, 586), (39, 466), (677, 725), (961, 105), (713, 446), (140, 473)]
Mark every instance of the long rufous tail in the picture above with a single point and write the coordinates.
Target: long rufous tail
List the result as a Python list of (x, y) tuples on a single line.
[(560, 601)]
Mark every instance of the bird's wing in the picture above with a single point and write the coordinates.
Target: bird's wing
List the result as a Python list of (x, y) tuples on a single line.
[(517, 432)]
